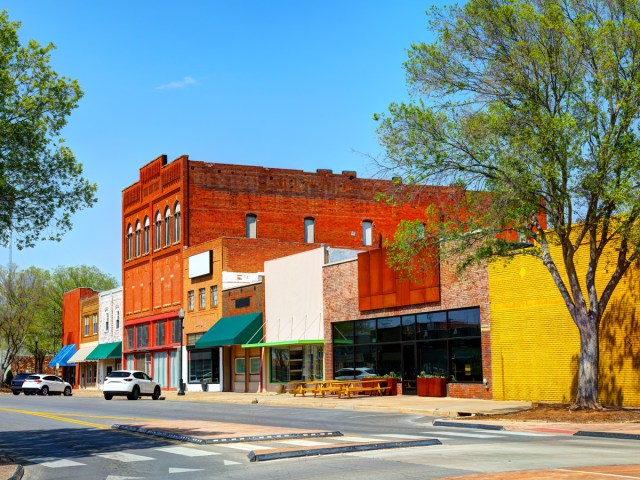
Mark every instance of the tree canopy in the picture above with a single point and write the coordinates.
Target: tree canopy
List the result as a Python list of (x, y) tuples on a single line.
[(536, 104), (41, 183)]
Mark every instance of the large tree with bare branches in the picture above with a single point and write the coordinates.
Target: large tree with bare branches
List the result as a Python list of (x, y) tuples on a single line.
[(536, 103)]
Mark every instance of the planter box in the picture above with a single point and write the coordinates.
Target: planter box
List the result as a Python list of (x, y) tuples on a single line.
[(432, 387), (392, 383)]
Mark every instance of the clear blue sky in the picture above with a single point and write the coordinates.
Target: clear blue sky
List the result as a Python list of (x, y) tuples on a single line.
[(290, 84)]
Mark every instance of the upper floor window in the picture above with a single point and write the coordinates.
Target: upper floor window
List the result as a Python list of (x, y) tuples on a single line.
[(214, 296), (191, 300), (160, 335), (106, 320), (158, 232), (167, 227), (367, 233), (147, 232), (117, 318), (94, 319), (176, 331), (176, 223), (129, 244), (251, 230), (203, 298), (86, 325), (137, 242), (309, 230)]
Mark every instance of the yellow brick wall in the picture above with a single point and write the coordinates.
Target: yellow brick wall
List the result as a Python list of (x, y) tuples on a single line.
[(535, 344)]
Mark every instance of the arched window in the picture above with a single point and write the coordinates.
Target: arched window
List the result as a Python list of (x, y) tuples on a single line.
[(176, 223), (309, 230), (367, 233), (251, 230), (137, 243), (129, 244), (167, 227), (147, 232), (158, 232)]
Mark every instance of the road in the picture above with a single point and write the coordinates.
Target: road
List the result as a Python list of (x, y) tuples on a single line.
[(70, 437)]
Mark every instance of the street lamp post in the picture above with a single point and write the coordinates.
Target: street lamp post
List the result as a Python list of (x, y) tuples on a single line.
[(181, 317), (35, 338)]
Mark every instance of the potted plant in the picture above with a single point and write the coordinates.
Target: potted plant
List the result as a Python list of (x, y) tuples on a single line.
[(205, 384), (431, 385), (394, 383)]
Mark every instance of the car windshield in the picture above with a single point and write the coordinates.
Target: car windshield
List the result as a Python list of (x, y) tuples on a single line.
[(21, 376), (118, 374), (33, 377)]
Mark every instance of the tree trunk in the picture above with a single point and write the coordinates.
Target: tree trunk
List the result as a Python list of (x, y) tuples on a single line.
[(587, 395)]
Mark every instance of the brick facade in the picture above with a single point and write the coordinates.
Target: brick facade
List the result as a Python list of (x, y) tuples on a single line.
[(340, 285)]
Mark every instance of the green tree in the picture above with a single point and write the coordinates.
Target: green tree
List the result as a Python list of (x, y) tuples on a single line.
[(537, 104), (41, 183)]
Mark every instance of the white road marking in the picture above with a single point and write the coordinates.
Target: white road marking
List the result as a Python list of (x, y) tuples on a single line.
[(52, 462), (524, 434), (399, 435), (186, 451), (245, 446), (354, 439), (124, 457), (463, 434), (304, 443), (184, 470), (229, 462)]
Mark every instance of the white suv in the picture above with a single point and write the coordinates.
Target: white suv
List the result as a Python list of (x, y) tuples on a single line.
[(46, 384), (131, 383)]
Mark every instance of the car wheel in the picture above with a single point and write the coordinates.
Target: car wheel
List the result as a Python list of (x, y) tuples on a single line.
[(16, 393), (67, 391), (135, 393), (44, 391), (108, 396), (156, 393)]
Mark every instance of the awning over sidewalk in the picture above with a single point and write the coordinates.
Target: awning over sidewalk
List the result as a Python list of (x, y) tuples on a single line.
[(106, 351), (61, 359), (81, 355), (233, 331), (283, 343)]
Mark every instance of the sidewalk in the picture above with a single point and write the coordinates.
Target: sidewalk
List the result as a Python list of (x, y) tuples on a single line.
[(452, 412)]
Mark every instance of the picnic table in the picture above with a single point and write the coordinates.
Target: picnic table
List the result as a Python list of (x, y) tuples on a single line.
[(346, 388)]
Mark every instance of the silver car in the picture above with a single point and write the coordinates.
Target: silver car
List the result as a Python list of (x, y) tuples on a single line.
[(43, 384), (130, 383)]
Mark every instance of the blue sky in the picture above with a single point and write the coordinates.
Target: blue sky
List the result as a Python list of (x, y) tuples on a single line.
[(288, 84)]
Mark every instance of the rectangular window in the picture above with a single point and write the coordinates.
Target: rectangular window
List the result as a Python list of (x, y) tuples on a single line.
[(192, 338), (117, 318), (106, 321), (86, 325), (303, 362), (214, 296), (309, 230), (191, 300), (129, 337), (201, 367), (251, 226), (202, 295), (243, 302), (240, 365), (160, 333), (175, 331), (142, 335), (95, 323), (367, 233), (254, 366)]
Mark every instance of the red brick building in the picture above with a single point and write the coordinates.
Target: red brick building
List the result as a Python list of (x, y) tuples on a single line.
[(185, 203)]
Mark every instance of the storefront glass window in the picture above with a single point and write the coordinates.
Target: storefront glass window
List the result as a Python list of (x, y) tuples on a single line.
[(343, 333), (295, 363), (432, 325), (365, 331), (464, 323), (389, 329), (433, 357), (279, 364), (466, 360), (408, 327), (201, 367)]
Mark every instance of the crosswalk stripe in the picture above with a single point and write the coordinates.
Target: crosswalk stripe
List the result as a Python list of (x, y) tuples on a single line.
[(525, 434), (186, 451), (52, 462), (304, 443), (354, 439), (400, 435), (464, 434), (245, 446), (124, 457)]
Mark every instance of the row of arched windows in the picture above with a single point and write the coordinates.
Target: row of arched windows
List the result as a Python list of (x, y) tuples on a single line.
[(139, 236)]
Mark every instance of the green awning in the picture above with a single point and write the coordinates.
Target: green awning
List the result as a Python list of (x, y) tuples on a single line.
[(284, 343), (106, 350), (233, 331)]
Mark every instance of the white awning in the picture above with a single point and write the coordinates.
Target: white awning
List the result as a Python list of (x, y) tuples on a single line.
[(81, 355)]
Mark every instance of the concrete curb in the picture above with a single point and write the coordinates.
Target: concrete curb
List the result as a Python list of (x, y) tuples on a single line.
[(19, 472), (359, 447), (622, 436), (213, 441), (481, 426)]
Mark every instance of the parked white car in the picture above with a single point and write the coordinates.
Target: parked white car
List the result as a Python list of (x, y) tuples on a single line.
[(45, 384), (354, 373), (131, 383)]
